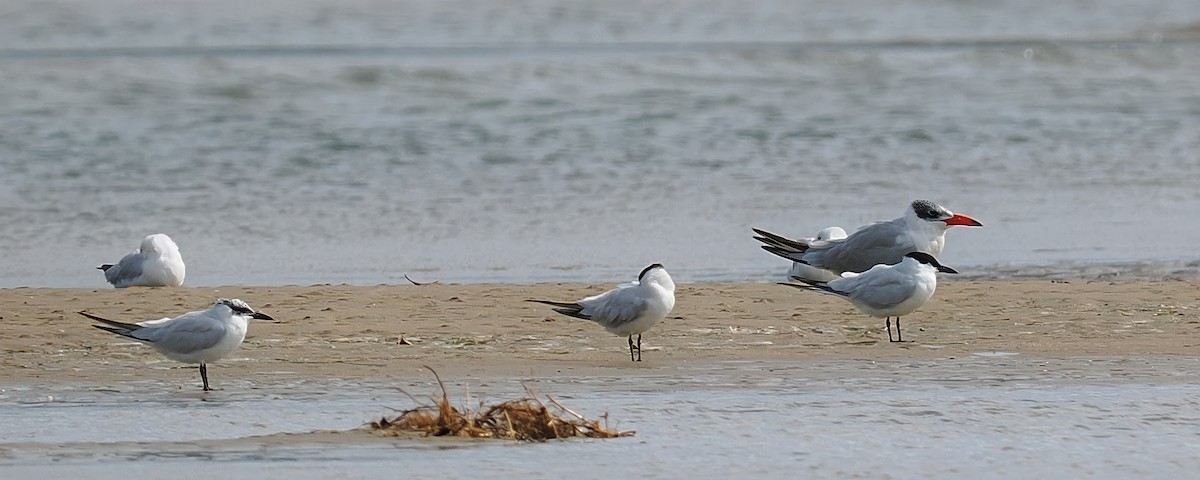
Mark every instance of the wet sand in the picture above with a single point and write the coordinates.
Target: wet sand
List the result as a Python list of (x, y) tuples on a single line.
[(490, 330)]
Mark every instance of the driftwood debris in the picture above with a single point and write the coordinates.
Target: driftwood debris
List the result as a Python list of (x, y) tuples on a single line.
[(525, 419)]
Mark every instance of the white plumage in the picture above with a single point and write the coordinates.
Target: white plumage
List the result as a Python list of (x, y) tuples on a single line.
[(801, 270), (157, 264), (886, 291), (195, 337), (628, 310), (921, 229)]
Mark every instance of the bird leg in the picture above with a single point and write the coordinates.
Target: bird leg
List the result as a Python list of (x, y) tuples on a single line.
[(639, 347), (631, 348), (899, 336), (204, 376)]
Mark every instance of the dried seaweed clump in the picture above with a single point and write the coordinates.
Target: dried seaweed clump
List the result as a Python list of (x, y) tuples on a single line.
[(525, 419)]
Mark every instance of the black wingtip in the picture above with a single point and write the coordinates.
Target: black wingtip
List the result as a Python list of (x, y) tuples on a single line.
[(93, 317), (556, 304), (568, 309), (115, 330), (120, 325)]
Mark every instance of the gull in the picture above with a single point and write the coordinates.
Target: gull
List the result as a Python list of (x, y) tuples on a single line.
[(628, 310), (886, 290), (823, 238), (921, 229), (195, 337), (156, 264)]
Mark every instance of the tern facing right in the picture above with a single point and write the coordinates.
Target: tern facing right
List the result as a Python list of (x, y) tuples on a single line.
[(921, 229), (628, 310), (194, 337), (156, 264), (886, 290)]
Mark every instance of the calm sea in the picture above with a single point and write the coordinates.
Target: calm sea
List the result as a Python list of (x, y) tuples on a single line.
[(322, 141), (990, 415)]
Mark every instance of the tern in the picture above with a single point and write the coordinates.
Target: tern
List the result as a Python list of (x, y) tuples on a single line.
[(156, 264), (812, 273), (202, 337), (921, 229), (886, 290), (628, 310)]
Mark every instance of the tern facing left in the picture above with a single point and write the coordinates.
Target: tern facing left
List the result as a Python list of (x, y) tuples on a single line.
[(886, 290), (195, 337), (156, 264), (628, 310)]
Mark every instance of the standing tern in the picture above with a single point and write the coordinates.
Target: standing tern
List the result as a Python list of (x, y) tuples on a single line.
[(886, 290), (156, 264), (921, 229), (628, 310), (195, 337)]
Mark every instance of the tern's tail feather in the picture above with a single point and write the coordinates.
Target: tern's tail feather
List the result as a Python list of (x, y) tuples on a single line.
[(119, 331), (819, 287), (105, 267), (565, 308), (790, 254), (780, 241), (779, 245), (122, 328)]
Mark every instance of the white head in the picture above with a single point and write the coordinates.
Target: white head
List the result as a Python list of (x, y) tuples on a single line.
[(831, 233), (925, 212), (656, 273), (159, 243), (241, 308)]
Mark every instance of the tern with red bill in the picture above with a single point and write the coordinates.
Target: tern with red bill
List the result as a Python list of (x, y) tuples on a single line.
[(886, 291), (921, 229)]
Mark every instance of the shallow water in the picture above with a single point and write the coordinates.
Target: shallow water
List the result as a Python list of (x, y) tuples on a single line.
[(986, 416), (296, 142)]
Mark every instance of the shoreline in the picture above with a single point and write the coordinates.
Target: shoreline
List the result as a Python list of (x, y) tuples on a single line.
[(490, 330), (1125, 270)]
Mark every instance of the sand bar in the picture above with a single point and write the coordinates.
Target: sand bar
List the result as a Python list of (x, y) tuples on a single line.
[(490, 330)]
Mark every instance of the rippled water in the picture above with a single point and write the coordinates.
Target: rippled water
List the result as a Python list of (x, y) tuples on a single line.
[(987, 416), (320, 141)]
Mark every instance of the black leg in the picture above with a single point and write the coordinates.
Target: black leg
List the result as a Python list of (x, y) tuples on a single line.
[(204, 376), (889, 328), (639, 347), (631, 348), (899, 336)]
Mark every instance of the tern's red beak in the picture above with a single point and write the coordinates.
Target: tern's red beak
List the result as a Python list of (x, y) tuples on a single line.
[(963, 220)]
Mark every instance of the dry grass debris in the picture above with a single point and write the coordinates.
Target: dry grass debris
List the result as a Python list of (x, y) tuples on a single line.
[(525, 419)]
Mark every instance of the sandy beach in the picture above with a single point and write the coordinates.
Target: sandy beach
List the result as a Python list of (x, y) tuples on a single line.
[(490, 330)]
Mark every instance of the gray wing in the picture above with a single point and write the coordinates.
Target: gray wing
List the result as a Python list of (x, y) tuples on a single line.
[(882, 291), (882, 243), (616, 307), (186, 333), (124, 272)]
